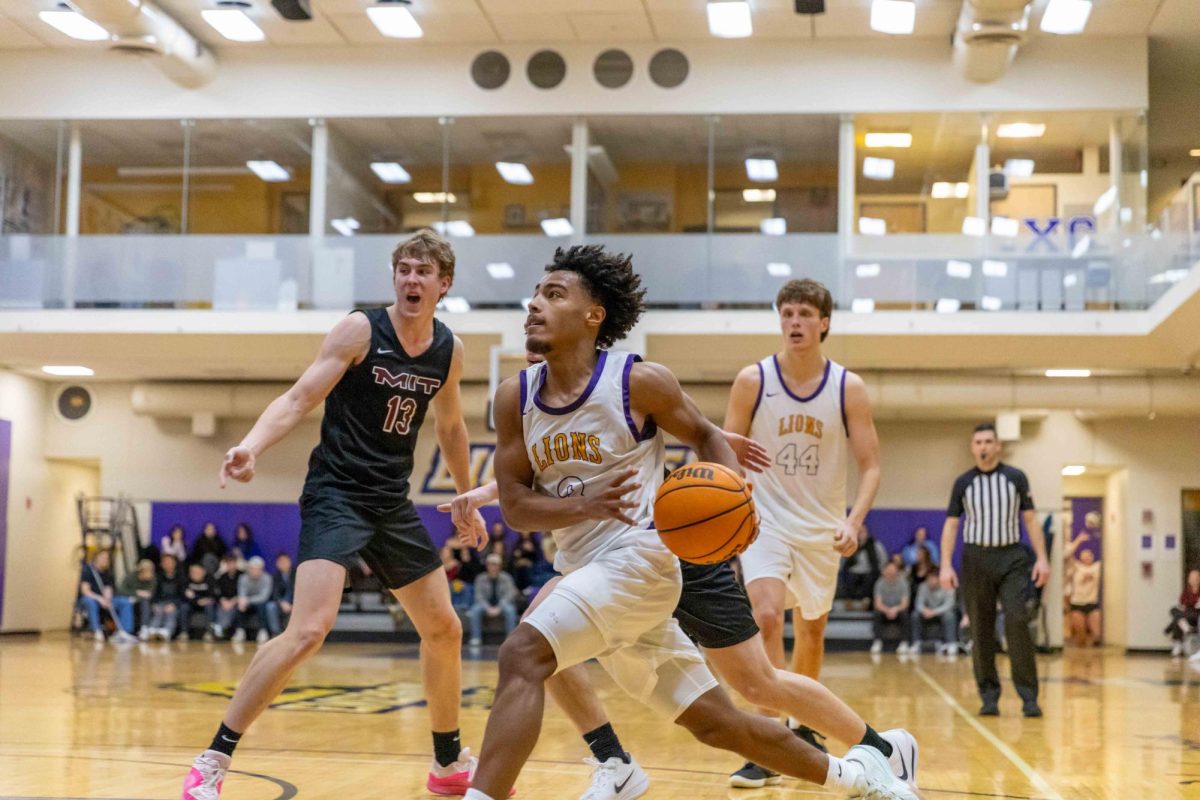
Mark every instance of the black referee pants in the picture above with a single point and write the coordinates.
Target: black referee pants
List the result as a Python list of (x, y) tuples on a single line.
[(991, 573)]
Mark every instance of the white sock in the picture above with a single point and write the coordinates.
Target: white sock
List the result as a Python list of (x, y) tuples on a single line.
[(793, 723), (843, 775), (475, 794)]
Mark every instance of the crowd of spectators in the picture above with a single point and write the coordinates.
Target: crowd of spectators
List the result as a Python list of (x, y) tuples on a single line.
[(211, 592)]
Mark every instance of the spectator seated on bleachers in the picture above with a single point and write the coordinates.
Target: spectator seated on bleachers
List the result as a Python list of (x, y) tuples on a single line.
[(859, 572), (199, 613), (495, 596), (1185, 617), (254, 604), (173, 543), (285, 588), (168, 599), (461, 592), (935, 606), (209, 549), (524, 560), (891, 607), (227, 595), (911, 551), (136, 592), (244, 545), (96, 599)]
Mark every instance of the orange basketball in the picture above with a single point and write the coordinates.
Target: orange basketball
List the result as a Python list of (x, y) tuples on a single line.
[(704, 513)]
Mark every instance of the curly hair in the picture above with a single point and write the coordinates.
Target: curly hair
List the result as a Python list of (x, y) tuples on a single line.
[(609, 279)]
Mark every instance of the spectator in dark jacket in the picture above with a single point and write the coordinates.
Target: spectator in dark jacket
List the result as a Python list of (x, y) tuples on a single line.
[(244, 544), (285, 586), (136, 592), (200, 603), (226, 580), (524, 559), (860, 571), (209, 549), (96, 597), (168, 599)]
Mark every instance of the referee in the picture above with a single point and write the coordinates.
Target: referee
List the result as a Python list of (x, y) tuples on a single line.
[(992, 496)]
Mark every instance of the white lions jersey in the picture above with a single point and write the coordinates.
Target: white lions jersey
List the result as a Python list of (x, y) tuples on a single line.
[(580, 447), (801, 498)]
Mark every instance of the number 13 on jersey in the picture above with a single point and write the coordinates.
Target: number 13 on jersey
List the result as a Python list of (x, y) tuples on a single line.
[(791, 458), (400, 414)]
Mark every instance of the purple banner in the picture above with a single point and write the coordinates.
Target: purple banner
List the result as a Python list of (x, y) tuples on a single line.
[(5, 454)]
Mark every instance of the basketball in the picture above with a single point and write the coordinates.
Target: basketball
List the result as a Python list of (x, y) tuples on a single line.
[(705, 514)]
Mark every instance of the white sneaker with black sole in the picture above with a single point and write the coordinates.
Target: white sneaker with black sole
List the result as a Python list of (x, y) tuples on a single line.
[(903, 760), (877, 781), (616, 780)]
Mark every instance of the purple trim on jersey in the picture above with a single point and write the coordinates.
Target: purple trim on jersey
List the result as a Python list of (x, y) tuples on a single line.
[(578, 401), (762, 381), (649, 429), (845, 424), (783, 383), (524, 392)]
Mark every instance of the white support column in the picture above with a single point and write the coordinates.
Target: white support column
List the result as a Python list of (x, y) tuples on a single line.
[(847, 221), (74, 198), (320, 178), (579, 179)]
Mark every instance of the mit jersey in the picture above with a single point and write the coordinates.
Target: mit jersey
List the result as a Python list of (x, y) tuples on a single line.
[(580, 447), (373, 414), (801, 497)]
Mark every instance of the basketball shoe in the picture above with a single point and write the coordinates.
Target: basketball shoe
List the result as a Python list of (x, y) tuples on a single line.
[(616, 780), (752, 776), (206, 777), (454, 779), (877, 781), (903, 760)]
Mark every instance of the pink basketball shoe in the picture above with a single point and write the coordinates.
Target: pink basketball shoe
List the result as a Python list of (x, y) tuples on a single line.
[(206, 777)]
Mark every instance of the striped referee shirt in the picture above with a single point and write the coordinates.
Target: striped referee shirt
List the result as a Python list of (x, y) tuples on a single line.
[(990, 504)]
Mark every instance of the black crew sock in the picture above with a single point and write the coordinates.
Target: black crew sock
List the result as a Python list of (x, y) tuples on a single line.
[(446, 747), (604, 744), (225, 740), (873, 739)]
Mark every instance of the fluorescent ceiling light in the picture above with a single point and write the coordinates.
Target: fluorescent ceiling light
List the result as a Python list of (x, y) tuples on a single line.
[(945, 189), (758, 195), (867, 270), (893, 16), (730, 19), (773, 226), (1169, 276), (1020, 130), (345, 226), (514, 172), (234, 24), (1070, 279), (958, 269), (885, 139), (947, 305), (1081, 247), (1005, 226), (878, 169), (455, 305), (395, 21), (1072, 470), (862, 305), (1194, 153), (1105, 201), (68, 372), (390, 172), (501, 271), (762, 170), (1068, 373), (557, 226), (1018, 167), (988, 303), (434, 197), (779, 269), (1066, 16), (974, 226), (75, 25), (454, 227), (872, 226), (995, 269), (269, 171)]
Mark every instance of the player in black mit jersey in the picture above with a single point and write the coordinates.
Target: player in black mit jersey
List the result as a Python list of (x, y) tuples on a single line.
[(378, 372)]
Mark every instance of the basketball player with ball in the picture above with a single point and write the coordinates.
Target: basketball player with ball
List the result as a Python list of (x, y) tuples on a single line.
[(580, 452), (811, 415)]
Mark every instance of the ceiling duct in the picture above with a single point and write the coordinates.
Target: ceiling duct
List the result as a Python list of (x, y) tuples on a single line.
[(142, 28), (988, 35)]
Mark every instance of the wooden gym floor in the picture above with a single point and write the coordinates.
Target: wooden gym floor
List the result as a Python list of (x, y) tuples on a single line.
[(81, 720)]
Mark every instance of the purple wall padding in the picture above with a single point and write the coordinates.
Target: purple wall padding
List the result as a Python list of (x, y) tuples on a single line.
[(5, 454), (276, 526)]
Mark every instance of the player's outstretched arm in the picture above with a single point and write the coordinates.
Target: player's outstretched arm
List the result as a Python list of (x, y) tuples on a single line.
[(864, 443), (344, 346), (655, 392), (527, 510), (455, 445)]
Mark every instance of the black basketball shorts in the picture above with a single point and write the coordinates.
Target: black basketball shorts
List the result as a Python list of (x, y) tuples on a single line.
[(713, 609), (391, 539)]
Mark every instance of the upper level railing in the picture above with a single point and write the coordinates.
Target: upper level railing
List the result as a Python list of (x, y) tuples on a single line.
[(910, 272)]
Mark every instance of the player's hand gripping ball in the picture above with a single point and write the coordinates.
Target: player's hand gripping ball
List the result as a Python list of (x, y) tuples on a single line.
[(705, 514)]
